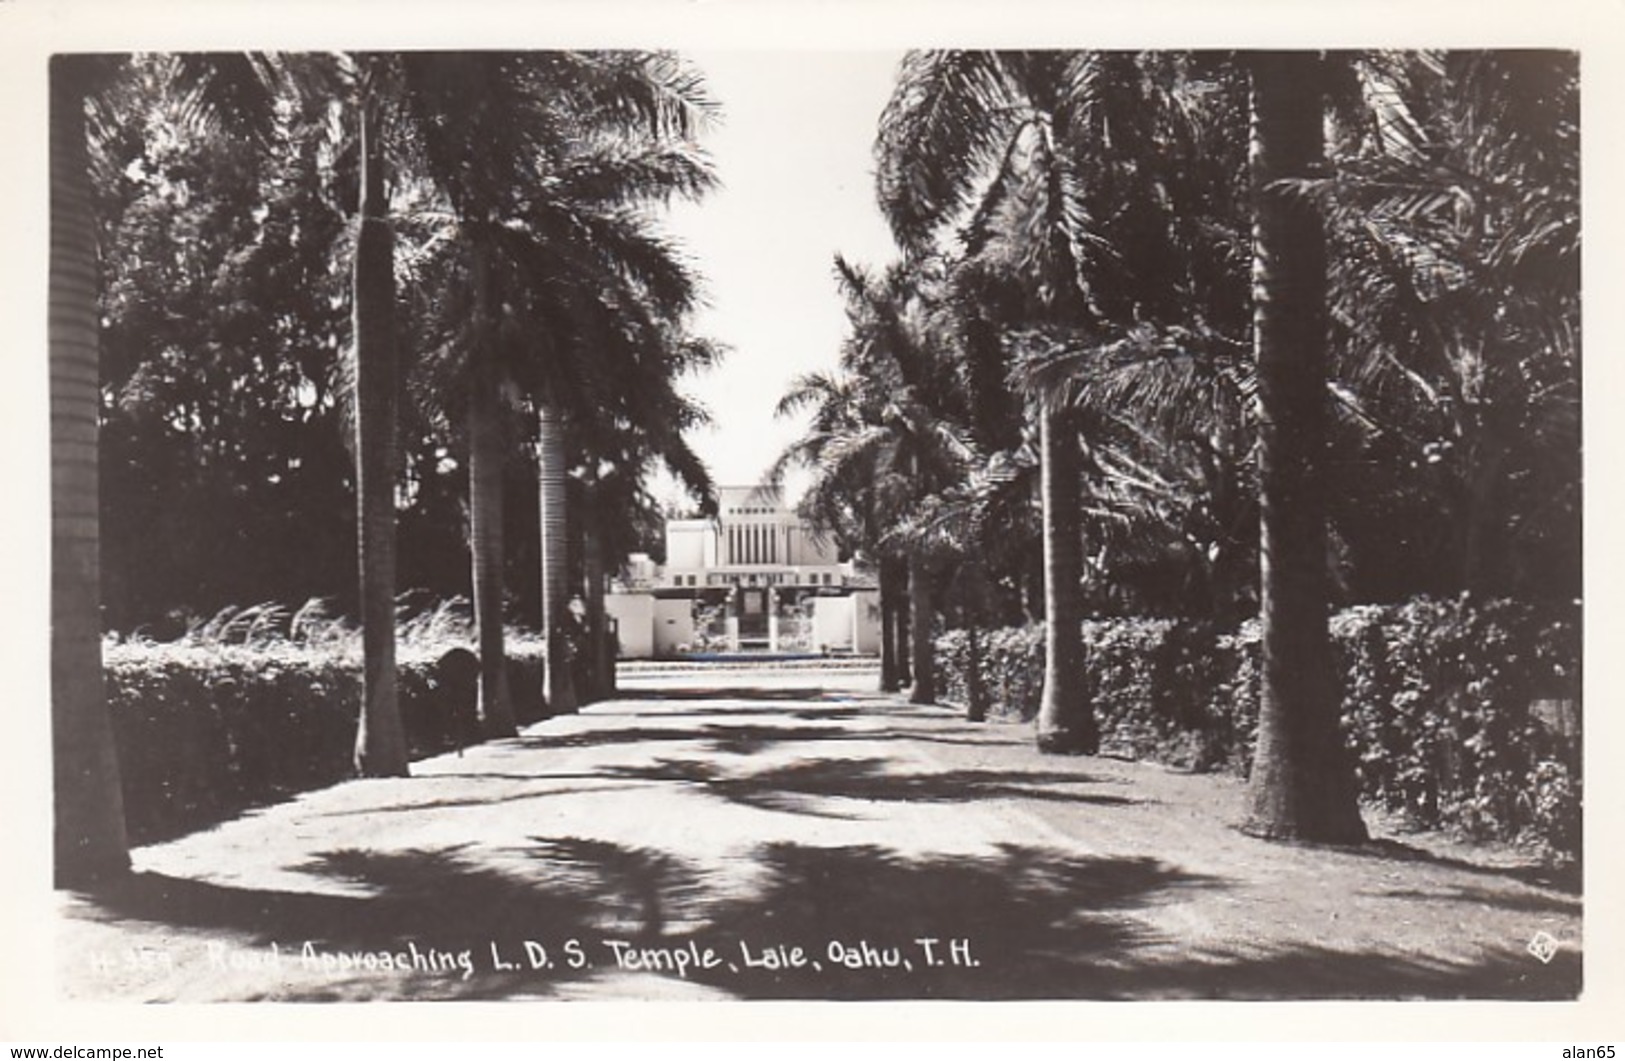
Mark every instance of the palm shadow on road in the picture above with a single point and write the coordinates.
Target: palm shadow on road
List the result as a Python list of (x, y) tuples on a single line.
[(833, 788), (760, 734), (1021, 922), (735, 694), (1016, 921)]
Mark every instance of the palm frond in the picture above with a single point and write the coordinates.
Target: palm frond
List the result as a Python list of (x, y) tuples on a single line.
[(947, 120)]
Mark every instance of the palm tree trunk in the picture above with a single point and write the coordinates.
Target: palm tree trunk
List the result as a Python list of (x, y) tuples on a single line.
[(1481, 523), (561, 695), (888, 628), (901, 628), (601, 659), (975, 681), (90, 841), (1066, 719), (485, 460), (1302, 785), (380, 740), (924, 651)]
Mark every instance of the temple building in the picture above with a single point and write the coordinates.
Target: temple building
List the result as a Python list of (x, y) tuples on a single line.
[(754, 579)]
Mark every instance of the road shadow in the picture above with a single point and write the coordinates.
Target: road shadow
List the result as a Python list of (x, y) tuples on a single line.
[(766, 694), (1525, 902), (829, 787), (1567, 877), (1022, 922), (747, 738), (756, 736)]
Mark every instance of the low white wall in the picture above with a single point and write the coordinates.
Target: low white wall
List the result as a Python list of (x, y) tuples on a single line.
[(832, 624), (673, 624), (650, 628), (848, 624), (867, 603), (634, 615)]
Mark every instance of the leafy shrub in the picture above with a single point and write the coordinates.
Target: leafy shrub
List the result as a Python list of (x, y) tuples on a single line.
[(1154, 684), (1015, 678), (233, 716), (1436, 703)]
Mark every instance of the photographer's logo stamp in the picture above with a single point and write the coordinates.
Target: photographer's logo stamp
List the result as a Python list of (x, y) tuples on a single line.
[(1543, 946)]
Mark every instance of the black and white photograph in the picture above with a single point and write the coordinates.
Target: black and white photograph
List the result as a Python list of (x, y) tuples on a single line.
[(940, 514)]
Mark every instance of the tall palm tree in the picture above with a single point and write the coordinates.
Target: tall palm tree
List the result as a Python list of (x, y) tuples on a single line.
[(1026, 158), (898, 434), (1445, 215), (551, 468), (380, 748), (618, 443), (654, 105), (602, 385), (90, 841), (889, 346), (1302, 784), (840, 501), (548, 162), (970, 137), (624, 414), (367, 85)]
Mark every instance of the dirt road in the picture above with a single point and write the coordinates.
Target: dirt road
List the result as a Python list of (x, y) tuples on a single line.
[(779, 840)]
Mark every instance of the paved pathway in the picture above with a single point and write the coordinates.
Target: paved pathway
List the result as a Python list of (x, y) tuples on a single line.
[(775, 840)]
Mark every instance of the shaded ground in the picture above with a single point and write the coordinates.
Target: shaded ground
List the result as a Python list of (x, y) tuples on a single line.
[(675, 845)]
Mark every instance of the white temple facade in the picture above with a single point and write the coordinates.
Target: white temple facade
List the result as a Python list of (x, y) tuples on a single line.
[(754, 579)]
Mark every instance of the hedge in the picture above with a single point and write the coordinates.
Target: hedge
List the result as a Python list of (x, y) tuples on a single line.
[(1460, 714), (204, 732)]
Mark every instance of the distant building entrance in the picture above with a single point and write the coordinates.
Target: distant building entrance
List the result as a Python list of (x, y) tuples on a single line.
[(755, 579)]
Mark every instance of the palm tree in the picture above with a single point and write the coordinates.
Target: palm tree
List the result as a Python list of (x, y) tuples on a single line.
[(551, 466), (1173, 498), (1301, 786), (380, 749), (655, 105), (619, 441), (901, 344), (368, 84), (1455, 289), (242, 90), (840, 500), (1031, 153), (1442, 217), (90, 841), (624, 415), (547, 162), (486, 449), (890, 429)]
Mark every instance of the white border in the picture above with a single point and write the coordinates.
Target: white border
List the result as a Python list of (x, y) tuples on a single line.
[(30, 30)]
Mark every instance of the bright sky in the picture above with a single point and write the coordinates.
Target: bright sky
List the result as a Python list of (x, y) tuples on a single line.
[(794, 152)]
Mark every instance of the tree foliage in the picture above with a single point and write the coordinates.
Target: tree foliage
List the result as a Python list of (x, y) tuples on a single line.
[(1115, 184), (226, 302)]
